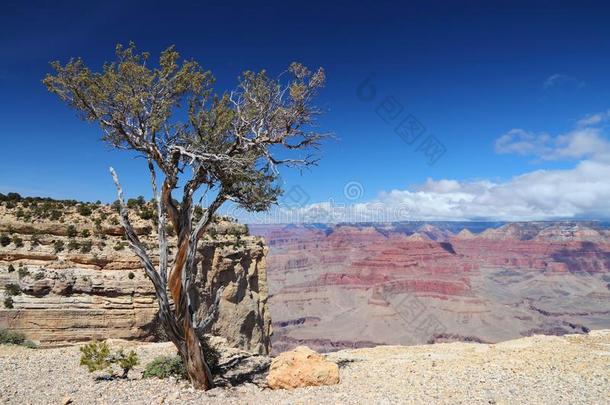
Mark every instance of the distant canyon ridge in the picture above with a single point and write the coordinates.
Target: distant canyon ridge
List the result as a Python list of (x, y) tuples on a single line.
[(359, 285)]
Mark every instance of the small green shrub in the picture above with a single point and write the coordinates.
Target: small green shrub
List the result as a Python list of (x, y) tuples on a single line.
[(29, 344), (8, 303), (71, 232), (23, 271), (165, 367), (39, 275), (73, 245), (8, 337), (17, 241), (96, 356), (119, 246), (12, 289), (35, 240), (5, 240), (131, 276), (58, 246), (55, 215), (11, 268), (84, 210), (126, 361), (85, 233), (86, 246), (146, 214)]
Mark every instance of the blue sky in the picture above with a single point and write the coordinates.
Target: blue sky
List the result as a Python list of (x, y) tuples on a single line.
[(469, 72)]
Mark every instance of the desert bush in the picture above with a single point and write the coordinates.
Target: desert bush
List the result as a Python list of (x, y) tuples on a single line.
[(9, 337), (131, 276), (72, 232), (146, 214), (11, 268), (73, 245), (55, 215), (12, 289), (119, 246), (85, 233), (23, 271), (85, 247), (19, 213), (17, 241), (165, 367), (35, 240), (5, 240), (58, 246), (39, 275), (8, 303), (29, 344), (126, 361), (96, 356), (84, 210)]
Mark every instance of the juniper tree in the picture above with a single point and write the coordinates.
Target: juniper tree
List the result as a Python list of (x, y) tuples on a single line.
[(199, 144)]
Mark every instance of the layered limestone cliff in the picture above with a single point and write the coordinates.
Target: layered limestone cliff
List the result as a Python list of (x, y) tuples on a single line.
[(67, 275)]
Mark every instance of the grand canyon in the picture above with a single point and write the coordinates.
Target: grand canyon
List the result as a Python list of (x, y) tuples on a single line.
[(358, 285)]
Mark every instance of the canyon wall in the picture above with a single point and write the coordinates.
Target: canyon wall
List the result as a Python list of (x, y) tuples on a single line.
[(76, 280), (339, 286)]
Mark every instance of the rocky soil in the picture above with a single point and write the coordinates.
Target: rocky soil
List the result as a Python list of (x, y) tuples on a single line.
[(570, 369)]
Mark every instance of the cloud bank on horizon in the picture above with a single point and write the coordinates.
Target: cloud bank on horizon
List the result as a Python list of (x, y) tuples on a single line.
[(579, 192)]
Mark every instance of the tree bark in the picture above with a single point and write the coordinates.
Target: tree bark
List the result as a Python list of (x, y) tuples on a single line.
[(177, 323), (194, 361)]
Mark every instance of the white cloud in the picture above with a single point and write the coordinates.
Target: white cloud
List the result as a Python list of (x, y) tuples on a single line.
[(594, 119), (560, 80), (522, 142), (542, 194), (582, 142), (582, 191)]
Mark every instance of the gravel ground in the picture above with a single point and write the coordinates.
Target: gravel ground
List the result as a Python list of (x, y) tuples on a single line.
[(551, 370)]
